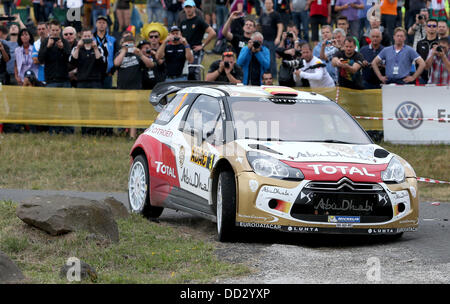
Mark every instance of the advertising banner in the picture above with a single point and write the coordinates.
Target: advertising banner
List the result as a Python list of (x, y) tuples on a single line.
[(417, 114)]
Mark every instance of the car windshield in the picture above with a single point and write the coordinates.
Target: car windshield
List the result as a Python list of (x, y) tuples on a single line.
[(303, 120)]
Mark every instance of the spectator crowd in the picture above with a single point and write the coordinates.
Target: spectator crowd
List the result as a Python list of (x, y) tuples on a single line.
[(358, 44)]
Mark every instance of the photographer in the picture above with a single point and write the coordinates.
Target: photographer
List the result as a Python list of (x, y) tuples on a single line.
[(349, 64), (225, 70), (418, 28), (438, 62), (54, 54), (424, 46), (157, 73), (313, 70), (254, 60), (237, 40), (175, 51), (288, 50)]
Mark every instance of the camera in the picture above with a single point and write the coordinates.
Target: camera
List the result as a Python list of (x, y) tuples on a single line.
[(420, 17), (439, 49), (55, 39), (256, 44), (328, 42), (298, 53), (290, 35), (296, 64), (226, 64), (176, 38), (7, 18), (148, 52), (87, 40)]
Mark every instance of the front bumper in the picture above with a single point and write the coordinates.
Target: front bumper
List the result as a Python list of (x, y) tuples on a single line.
[(344, 208)]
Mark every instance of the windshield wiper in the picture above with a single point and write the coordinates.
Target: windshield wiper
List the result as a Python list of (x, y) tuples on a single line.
[(264, 139)]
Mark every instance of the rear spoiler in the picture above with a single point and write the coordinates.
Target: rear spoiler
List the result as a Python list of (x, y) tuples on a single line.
[(158, 96)]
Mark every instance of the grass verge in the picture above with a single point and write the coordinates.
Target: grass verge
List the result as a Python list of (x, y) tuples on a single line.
[(148, 252)]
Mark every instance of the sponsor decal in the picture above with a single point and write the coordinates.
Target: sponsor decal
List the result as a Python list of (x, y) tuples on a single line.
[(181, 156), (162, 132), (271, 219), (164, 169), (319, 169), (381, 230), (278, 191), (345, 205), (343, 219), (407, 229), (302, 229), (202, 158), (409, 222), (410, 115), (194, 180), (333, 154), (259, 225), (253, 184)]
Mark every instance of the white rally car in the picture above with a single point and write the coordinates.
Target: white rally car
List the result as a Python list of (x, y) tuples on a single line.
[(268, 157)]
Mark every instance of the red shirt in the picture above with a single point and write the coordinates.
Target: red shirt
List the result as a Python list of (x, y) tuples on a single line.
[(319, 7)]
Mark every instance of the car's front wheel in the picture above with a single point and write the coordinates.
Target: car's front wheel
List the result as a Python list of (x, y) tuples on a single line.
[(139, 189), (226, 206)]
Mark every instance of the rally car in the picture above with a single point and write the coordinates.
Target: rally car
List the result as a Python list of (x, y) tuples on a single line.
[(267, 157)]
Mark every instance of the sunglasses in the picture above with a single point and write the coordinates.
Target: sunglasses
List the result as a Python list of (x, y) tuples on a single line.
[(67, 34), (432, 25), (228, 54), (153, 36)]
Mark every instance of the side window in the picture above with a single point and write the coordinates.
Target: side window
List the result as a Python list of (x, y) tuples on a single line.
[(203, 117), (170, 109)]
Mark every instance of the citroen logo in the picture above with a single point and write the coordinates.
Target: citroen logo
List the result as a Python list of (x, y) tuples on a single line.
[(409, 110)]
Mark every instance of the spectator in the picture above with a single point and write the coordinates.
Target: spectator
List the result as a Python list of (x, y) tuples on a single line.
[(289, 50), (221, 12), (375, 24), (175, 51), (237, 40), (70, 35), (326, 47), (331, 48), (415, 6), (30, 80), (398, 60), (89, 60), (442, 29), (208, 7), (238, 23), (182, 14), (4, 52), (399, 19), (225, 70), (320, 13), (418, 28), (12, 44), (155, 11), (23, 55), (271, 29), (267, 79), (48, 8), (8, 5), (100, 8), (313, 70), (438, 62), (388, 15), (54, 54), (173, 9), (283, 7), (193, 29), (109, 46), (38, 10), (349, 9), (424, 46), (123, 13), (369, 52), (157, 73), (300, 17), (349, 64), (254, 60), (342, 23), (42, 31)]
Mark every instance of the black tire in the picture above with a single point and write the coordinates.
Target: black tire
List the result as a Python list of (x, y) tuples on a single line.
[(143, 206), (226, 206)]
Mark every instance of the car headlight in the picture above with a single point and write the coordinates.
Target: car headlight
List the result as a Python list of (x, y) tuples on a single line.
[(394, 173), (268, 166)]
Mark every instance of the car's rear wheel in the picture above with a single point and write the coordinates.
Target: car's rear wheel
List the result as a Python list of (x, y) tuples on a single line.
[(139, 189), (226, 206)]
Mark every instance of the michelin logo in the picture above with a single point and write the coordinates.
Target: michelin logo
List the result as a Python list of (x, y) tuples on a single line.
[(343, 219)]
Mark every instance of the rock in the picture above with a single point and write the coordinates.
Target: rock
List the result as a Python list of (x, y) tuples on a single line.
[(85, 270), (9, 272), (118, 209), (59, 214)]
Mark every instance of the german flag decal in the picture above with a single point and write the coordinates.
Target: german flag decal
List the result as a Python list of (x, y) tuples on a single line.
[(280, 91)]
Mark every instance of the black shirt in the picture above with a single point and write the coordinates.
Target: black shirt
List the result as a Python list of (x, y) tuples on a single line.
[(55, 61), (254, 69), (347, 79), (193, 30), (88, 67), (175, 57), (129, 76), (268, 24), (151, 77), (238, 42), (236, 72), (2, 60), (423, 48), (369, 55)]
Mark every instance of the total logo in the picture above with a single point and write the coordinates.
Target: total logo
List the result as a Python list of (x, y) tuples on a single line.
[(318, 169), (164, 169)]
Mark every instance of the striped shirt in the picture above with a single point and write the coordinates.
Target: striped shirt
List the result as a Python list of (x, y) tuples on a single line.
[(438, 73)]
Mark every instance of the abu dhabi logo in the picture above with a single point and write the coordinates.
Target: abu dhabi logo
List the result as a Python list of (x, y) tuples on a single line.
[(410, 115)]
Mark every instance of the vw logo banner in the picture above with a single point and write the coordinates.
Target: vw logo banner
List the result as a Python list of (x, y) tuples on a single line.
[(422, 114)]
